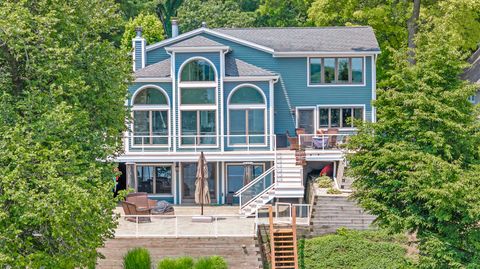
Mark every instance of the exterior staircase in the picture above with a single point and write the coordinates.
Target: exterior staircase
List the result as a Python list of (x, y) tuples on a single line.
[(283, 244), (284, 180)]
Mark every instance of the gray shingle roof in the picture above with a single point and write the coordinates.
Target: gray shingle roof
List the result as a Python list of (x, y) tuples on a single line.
[(197, 41), (472, 74), (157, 70), (233, 68), (238, 68), (309, 39)]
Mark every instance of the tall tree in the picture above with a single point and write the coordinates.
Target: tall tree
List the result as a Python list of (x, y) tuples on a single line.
[(216, 13), (151, 26), (166, 10), (396, 22), (417, 168), (132, 8), (283, 13), (62, 93)]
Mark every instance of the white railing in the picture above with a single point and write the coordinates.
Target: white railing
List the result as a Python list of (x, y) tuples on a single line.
[(283, 214), (176, 226), (322, 141), (197, 143), (256, 187)]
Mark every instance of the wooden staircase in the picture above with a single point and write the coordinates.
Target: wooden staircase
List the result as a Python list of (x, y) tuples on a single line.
[(283, 244)]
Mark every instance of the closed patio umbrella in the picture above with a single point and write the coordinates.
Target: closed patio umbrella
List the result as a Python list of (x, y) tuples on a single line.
[(202, 193)]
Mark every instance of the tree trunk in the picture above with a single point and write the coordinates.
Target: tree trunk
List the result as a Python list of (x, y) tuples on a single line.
[(412, 26)]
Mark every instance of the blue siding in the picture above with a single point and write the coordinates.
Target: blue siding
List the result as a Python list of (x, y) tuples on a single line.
[(156, 55), (293, 71)]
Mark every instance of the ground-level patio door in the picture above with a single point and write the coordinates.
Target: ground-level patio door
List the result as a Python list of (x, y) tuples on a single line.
[(236, 176), (187, 182)]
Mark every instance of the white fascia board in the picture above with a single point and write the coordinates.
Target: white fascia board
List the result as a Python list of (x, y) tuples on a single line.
[(321, 53), (153, 80), (259, 78), (197, 49)]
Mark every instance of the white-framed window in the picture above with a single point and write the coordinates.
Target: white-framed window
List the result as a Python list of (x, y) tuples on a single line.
[(339, 116), (198, 99), (327, 71), (471, 99), (151, 116), (154, 178), (247, 116)]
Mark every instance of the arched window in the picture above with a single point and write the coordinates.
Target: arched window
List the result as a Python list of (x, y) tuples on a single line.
[(247, 116), (198, 104), (198, 70), (150, 117)]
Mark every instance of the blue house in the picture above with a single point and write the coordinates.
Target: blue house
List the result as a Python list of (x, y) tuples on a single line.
[(269, 107)]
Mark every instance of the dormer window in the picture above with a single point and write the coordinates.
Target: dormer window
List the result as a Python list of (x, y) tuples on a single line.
[(198, 70), (336, 71)]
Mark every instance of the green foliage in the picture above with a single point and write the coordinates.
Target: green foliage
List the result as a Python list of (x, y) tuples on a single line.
[(355, 249), (283, 13), (152, 30), (132, 8), (216, 13), (137, 258), (389, 20), (417, 168), (333, 191), (324, 182), (62, 93), (212, 262), (301, 253), (166, 10)]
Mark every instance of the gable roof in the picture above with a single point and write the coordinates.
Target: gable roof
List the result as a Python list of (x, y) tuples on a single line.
[(197, 41), (233, 68), (291, 40), (309, 39), (160, 69), (472, 74), (238, 68)]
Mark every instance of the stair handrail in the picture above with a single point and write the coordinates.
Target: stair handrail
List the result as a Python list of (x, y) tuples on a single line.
[(258, 195), (260, 177)]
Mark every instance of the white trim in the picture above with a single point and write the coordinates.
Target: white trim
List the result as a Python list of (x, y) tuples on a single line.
[(363, 106), (363, 84), (153, 79), (220, 101), (174, 104), (251, 78), (324, 53), (374, 88), (172, 167), (247, 107), (223, 178), (271, 89), (306, 108), (196, 107), (211, 32), (149, 86), (197, 49), (150, 108)]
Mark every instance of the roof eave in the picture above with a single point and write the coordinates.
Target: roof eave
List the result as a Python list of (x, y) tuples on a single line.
[(323, 53), (197, 49), (250, 78)]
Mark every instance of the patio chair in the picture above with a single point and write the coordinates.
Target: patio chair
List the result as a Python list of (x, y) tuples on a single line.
[(141, 200), (293, 141), (132, 210), (332, 134)]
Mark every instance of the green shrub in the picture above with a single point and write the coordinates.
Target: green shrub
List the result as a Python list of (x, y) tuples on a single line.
[(137, 258), (179, 263), (213, 262), (356, 249), (324, 182), (333, 191)]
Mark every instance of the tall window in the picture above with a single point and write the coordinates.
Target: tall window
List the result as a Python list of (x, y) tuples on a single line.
[(339, 117), (247, 112), (150, 118), (154, 179), (345, 70), (198, 104)]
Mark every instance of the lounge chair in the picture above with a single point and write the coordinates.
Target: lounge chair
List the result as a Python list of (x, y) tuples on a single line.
[(332, 137), (293, 141), (132, 210), (140, 199)]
